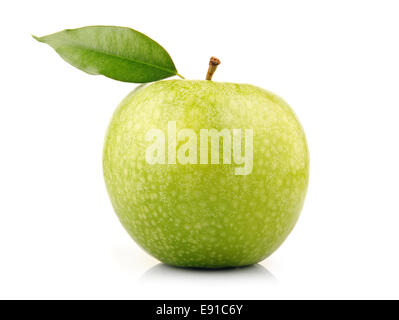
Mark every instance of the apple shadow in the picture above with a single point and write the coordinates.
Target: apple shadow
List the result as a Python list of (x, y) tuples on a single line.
[(255, 274)]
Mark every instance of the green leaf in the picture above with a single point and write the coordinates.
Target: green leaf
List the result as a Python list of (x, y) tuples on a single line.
[(116, 52)]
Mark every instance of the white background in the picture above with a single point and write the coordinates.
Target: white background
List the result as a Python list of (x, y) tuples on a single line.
[(335, 62)]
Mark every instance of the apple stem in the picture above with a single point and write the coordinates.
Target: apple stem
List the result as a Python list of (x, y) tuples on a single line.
[(179, 75), (213, 64)]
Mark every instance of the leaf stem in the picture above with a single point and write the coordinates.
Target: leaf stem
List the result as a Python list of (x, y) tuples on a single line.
[(178, 74)]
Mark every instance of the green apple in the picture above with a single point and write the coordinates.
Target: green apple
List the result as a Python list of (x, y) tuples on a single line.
[(206, 174), (200, 173)]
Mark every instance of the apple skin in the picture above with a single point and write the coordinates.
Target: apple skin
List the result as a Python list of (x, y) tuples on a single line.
[(205, 215)]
